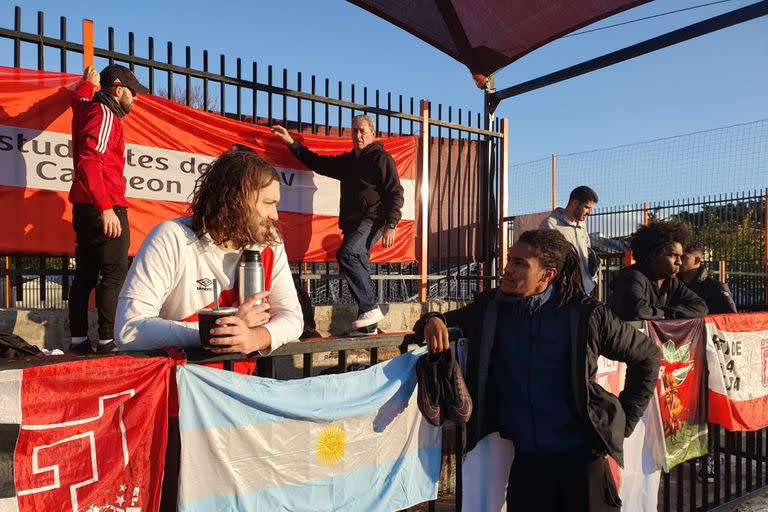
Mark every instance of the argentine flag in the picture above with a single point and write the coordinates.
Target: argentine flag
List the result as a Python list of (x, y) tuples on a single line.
[(348, 442)]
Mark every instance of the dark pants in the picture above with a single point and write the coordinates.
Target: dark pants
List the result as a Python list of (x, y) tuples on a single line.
[(577, 483), (353, 257), (102, 263)]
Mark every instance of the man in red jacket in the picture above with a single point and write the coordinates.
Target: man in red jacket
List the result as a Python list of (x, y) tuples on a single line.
[(99, 207)]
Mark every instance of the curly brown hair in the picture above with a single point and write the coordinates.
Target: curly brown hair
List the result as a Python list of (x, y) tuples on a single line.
[(222, 203), (554, 251), (651, 240)]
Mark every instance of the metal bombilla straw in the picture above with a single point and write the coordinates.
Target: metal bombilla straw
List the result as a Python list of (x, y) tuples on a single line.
[(215, 293)]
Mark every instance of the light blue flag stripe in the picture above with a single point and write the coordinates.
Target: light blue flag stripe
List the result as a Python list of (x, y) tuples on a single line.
[(248, 400), (220, 408)]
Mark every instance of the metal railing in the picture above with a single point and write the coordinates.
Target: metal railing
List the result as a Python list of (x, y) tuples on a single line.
[(464, 155), (741, 458), (730, 227)]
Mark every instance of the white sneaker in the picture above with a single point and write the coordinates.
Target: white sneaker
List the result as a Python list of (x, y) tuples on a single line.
[(368, 318)]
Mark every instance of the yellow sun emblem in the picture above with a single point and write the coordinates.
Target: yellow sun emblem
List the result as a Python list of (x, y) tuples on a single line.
[(331, 445)]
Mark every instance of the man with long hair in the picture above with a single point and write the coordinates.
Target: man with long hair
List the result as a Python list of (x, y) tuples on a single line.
[(234, 207), (99, 206), (531, 364), (649, 290)]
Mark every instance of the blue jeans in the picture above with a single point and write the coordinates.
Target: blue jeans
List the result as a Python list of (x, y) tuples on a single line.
[(353, 257)]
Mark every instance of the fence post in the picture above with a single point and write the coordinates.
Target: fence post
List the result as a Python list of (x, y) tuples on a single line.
[(7, 282), (503, 180), (646, 218), (628, 258), (722, 271), (765, 243), (554, 181), (87, 43), (422, 225)]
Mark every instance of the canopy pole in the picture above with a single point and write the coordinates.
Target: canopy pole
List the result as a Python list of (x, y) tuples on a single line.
[(490, 206)]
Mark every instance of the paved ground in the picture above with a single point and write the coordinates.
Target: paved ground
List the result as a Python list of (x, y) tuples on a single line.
[(757, 503)]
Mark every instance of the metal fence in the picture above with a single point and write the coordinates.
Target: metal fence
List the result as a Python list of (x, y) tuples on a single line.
[(724, 159), (730, 227), (741, 458), (464, 149)]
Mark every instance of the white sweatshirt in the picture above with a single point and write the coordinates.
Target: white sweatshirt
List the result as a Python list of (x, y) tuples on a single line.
[(171, 278)]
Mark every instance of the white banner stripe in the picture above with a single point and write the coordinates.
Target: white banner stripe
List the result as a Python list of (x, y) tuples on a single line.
[(10, 396), (9, 504), (738, 363), (228, 461), (42, 160)]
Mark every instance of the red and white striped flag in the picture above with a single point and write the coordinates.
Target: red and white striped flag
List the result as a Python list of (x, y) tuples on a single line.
[(737, 356), (167, 147)]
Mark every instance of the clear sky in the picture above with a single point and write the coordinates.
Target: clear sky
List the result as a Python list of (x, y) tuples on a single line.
[(713, 81)]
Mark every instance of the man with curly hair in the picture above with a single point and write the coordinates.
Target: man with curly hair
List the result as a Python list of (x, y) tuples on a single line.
[(649, 290), (234, 207)]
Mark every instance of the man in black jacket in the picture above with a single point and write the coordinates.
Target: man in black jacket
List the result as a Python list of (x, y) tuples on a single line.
[(649, 290), (531, 366), (715, 293), (369, 208)]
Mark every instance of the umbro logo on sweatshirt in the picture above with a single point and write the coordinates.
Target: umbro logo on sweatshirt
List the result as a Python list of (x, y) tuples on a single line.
[(204, 284)]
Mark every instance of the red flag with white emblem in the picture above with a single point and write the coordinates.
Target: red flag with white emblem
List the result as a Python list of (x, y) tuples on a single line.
[(84, 435)]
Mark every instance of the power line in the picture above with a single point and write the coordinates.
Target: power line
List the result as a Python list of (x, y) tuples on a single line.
[(646, 18)]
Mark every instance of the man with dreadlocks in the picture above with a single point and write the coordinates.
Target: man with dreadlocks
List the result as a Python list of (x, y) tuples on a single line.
[(531, 365)]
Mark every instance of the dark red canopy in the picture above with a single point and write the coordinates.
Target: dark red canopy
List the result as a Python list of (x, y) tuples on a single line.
[(486, 35)]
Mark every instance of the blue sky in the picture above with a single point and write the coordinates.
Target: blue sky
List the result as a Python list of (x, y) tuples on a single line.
[(713, 81)]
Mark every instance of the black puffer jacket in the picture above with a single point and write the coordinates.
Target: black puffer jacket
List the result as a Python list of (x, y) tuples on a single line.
[(637, 297), (595, 331), (717, 295), (370, 185)]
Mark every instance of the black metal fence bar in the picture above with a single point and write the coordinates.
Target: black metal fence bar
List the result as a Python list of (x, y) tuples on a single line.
[(731, 228), (399, 118)]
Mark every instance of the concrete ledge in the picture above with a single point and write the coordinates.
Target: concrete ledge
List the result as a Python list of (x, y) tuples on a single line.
[(49, 328)]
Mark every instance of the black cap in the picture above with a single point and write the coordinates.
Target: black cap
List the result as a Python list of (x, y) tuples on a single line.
[(251, 256), (117, 75)]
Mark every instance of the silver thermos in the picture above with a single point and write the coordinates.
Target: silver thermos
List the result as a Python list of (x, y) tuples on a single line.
[(250, 275)]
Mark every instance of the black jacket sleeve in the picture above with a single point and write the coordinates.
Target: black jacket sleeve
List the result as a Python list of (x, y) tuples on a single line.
[(630, 298), (331, 166), (622, 342), (456, 318), (720, 300), (391, 191), (683, 303)]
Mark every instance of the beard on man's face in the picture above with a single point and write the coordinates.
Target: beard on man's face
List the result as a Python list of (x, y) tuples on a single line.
[(263, 229)]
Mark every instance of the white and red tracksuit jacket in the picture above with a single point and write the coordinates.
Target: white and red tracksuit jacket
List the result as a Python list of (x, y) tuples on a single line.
[(98, 151), (172, 277)]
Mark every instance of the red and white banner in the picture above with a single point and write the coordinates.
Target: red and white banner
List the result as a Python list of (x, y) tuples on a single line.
[(168, 145), (737, 355), (84, 435)]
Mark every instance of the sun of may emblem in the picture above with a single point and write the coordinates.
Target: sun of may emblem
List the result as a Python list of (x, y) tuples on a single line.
[(331, 445)]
